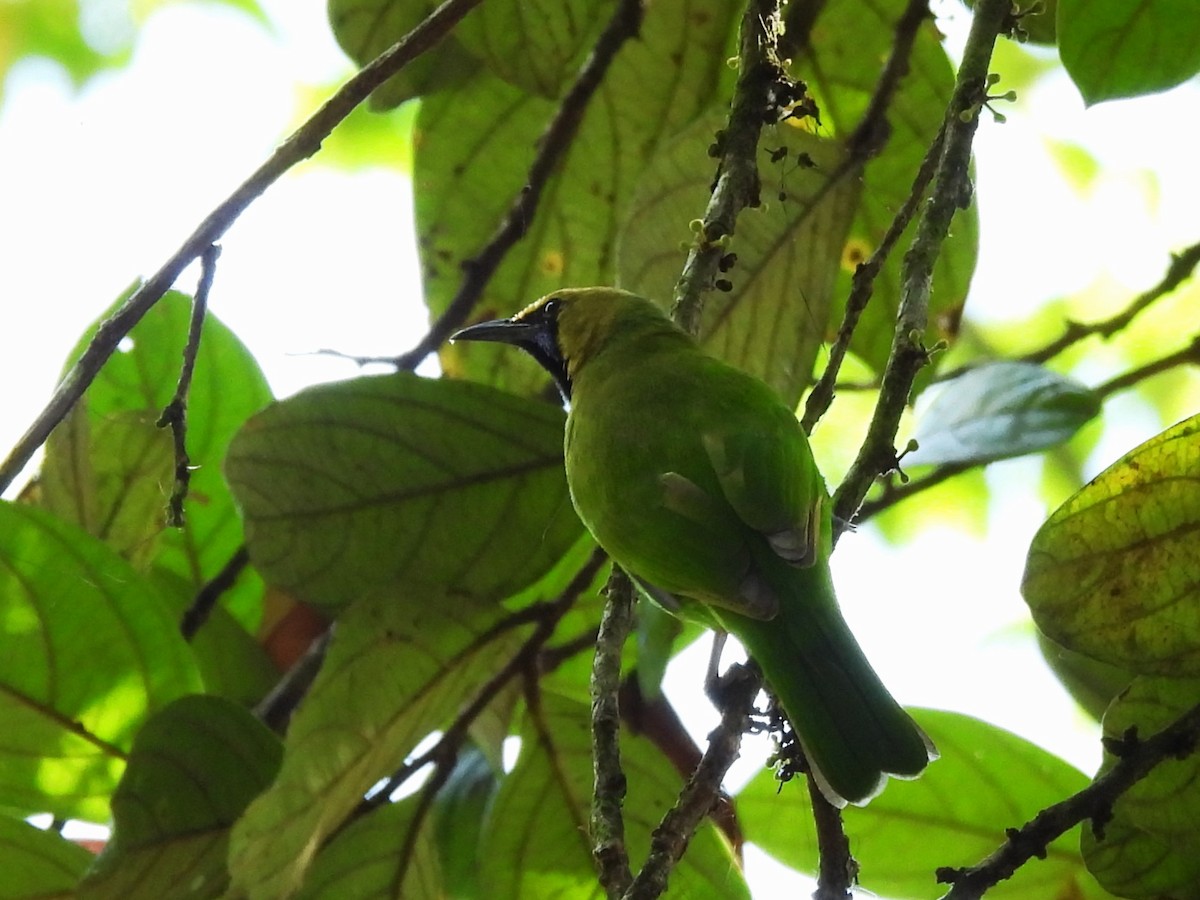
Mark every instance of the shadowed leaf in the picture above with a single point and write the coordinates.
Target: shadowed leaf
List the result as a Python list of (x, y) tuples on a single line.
[(369, 485), (38, 863), (1151, 847), (1114, 572)]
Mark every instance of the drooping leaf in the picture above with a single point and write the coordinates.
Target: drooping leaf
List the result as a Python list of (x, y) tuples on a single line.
[(38, 863), (109, 468), (535, 841), (385, 854), (87, 650), (194, 768), (658, 83), (1113, 48), (365, 28), (776, 315), (400, 666), (955, 814), (535, 45), (998, 410), (841, 69), (403, 482), (1114, 572), (1151, 847)]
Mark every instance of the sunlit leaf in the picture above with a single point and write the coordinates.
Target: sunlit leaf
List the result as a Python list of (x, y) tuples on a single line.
[(1114, 48), (38, 863), (87, 650), (954, 815), (535, 841), (193, 769), (535, 45), (399, 667), (1092, 683), (998, 410), (365, 28), (386, 853), (463, 186), (110, 469), (407, 482), (788, 251), (1114, 572), (1151, 847)]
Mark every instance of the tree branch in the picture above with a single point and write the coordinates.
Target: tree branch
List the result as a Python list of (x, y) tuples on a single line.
[(1095, 802), (206, 598), (607, 821), (951, 191), (837, 870), (303, 143), (554, 143), (174, 414)]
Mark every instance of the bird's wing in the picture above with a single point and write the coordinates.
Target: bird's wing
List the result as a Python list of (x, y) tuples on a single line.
[(767, 474)]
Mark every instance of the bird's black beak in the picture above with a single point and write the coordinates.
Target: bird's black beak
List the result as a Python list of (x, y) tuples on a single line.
[(503, 331)]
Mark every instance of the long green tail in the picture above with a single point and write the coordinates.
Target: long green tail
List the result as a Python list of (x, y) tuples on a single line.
[(853, 732)]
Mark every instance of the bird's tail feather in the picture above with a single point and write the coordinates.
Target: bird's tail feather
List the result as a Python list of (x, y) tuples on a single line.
[(853, 732)]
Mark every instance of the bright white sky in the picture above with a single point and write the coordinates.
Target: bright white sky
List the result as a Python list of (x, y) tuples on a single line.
[(100, 186)]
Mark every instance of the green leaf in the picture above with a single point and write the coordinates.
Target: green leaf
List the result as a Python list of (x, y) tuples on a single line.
[(403, 482), (110, 469), (1114, 48), (535, 841), (399, 667), (535, 45), (772, 322), (87, 650), (1151, 847), (1092, 683), (955, 814), (386, 853), (1114, 574), (38, 863), (365, 28), (841, 70), (464, 186), (194, 768), (999, 410)]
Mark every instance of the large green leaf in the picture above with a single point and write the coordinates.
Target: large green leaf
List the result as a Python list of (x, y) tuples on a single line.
[(998, 410), (955, 814), (399, 667), (1151, 846), (535, 45), (535, 841), (110, 469), (841, 66), (38, 863), (1114, 572), (475, 146), (1115, 48), (400, 482), (193, 769), (87, 650), (385, 854), (365, 28), (788, 251)]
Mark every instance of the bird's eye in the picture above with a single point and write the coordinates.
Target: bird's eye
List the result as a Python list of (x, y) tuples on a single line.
[(552, 307)]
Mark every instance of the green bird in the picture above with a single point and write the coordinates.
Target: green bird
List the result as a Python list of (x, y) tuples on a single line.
[(700, 483)]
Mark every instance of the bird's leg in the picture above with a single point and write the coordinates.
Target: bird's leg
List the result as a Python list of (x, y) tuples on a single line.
[(712, 677)]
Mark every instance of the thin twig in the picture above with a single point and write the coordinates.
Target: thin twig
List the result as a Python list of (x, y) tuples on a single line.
[(608, 823), (1095, 802), (740, 686), (837, 870), (554, 143), (1189, 355), (174, 414), (756, 101), (206, 598), (303, 143), (951, 191), (275, 710)]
